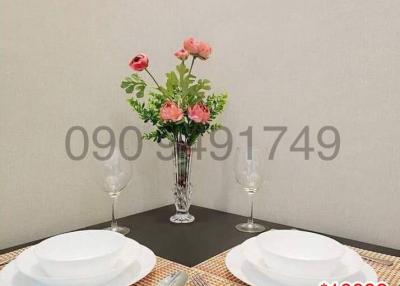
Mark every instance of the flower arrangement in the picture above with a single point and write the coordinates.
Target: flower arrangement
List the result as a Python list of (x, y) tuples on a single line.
[(182, 109)]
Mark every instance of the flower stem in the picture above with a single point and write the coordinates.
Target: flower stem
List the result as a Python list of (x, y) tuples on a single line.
[(191, 65), (152, 78)]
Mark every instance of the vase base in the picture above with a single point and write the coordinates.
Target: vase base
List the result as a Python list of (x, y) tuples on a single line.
[(182, 218)]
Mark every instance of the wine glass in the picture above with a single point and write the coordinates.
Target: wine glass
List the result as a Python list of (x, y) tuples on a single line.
[(117, 174), (249, 173)]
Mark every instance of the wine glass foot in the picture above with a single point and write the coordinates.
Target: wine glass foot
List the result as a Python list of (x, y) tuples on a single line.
[(250, 227), (120, 229)]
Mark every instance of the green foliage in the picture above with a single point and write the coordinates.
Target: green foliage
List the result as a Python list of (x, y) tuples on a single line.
[(216, 104), (134, 84), (185, 90)]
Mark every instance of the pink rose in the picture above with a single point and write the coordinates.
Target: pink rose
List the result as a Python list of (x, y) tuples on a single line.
[(182, 54), (191, 45), (171, 112), (204, 50), (139, 63), (199, 113)]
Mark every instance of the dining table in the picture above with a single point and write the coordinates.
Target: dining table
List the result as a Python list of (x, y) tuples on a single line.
[(202, 246)]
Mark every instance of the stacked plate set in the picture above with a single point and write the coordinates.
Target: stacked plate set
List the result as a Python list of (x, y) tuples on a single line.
[(296, 258), (92, 257)]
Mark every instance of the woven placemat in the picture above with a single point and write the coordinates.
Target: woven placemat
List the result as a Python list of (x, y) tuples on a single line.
[(389, 274), (5, 258), (215, 273), (165, 267)]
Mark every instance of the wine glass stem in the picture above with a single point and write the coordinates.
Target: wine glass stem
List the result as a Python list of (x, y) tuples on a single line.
[(114, 224), (251, 200)]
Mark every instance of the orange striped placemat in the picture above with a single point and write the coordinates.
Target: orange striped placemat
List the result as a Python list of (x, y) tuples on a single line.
[(215, 273)]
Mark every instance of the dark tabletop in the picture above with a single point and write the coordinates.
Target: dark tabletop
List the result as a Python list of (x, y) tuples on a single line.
[(189, 244)]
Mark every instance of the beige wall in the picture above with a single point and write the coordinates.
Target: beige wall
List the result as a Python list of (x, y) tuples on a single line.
[(292, 63)]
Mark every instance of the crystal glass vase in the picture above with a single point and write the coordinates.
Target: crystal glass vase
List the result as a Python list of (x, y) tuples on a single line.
[(182, 189)]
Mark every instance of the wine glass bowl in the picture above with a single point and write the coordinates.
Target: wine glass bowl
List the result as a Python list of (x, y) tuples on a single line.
[(249, 174), (114, 184)]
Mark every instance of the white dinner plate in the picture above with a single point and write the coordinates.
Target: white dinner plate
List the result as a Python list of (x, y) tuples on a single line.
[(28, 264), (244, 271), (142, 266), (349, 265)]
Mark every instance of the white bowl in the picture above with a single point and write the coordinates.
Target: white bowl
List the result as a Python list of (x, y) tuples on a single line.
[(300, 253), (80, 254), (349, 265), (28, 265)]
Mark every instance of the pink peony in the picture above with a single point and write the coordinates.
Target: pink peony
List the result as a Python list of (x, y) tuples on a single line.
[(191, 45), (182, 54), (171, 112), (204, 50), (199, 113), (139, 62)]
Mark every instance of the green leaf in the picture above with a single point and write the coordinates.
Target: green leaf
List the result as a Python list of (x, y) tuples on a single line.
[(172, 81), (182, 70), (129, 88), (140, 91), (124, 84), (134, 84)]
